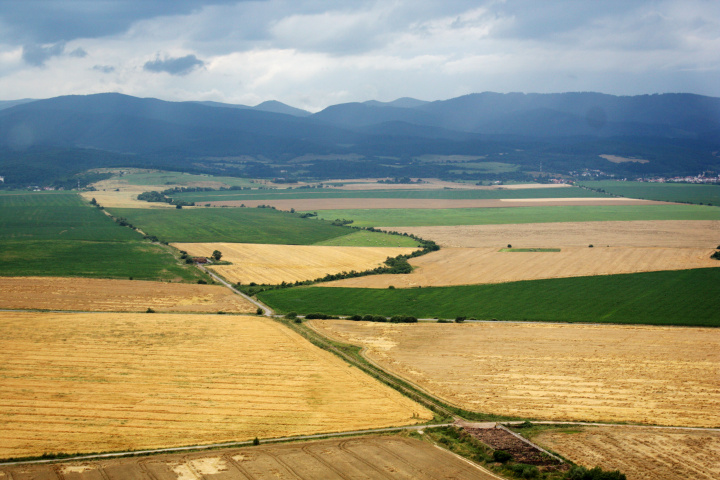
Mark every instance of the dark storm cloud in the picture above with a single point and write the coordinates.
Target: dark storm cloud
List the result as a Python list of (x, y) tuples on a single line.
[(52, 21), (37, 55), (174, 66)]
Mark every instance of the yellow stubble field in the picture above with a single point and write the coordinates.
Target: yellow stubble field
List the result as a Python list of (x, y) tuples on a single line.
[(116, 381), (640, 453), (465, 266), (273, 264), (638, 374), (91, 294)]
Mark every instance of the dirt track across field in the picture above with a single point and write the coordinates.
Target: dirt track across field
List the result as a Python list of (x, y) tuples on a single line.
[(641, 454), (471, 266), (52, 293), (653, 233), (312, 204), (598, 373)]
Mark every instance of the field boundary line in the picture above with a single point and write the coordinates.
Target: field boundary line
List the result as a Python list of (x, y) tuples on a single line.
[(190, 448), (532, 444), (267, 311), (596, 424)]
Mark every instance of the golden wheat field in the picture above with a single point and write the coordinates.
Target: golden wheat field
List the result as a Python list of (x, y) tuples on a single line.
[(115, 381), (349, 458), (610, 373), (50, 293), (464, 266), (640, 453), (650, 233), (273, 264)]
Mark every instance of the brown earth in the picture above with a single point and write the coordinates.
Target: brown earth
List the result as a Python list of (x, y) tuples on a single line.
[(274, 264), (655, 233), (87, 382), (348, 458), (50, 293), (312, 204), (464, 266), (640, 453), (522, 452), (610, 373)]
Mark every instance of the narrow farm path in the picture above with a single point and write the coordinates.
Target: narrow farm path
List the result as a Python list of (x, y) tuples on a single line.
[(267, 311)]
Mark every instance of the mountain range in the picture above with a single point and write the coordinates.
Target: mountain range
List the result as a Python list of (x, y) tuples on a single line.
[(566, 131)]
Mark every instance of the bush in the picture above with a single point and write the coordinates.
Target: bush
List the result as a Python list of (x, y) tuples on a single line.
[(442, 320), (716, 255), (368, 318), (525, 471), (259, 311), (403, 319), (597, 473), (256, 441), (355, 317), (460, 319), (298, 320), (291, 315), (149, 310), (201, 282), (501, 456)]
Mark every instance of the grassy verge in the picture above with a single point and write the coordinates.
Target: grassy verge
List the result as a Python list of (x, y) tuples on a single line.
[(684, 297), (487, 216)]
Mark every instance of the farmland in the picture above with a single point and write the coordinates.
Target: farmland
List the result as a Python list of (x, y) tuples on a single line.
[(274, 264), (231, 225), (668, 192), (58, 234), (98, 382), (656, 233), (464, 266), (47, 293), (540, 214), (638, 374), (640, 453), (653, 298), (361, 458)]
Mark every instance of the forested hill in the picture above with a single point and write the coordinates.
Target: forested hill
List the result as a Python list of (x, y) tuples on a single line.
[(677, 133)]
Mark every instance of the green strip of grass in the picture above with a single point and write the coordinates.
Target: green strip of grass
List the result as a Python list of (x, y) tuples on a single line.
[(666, 192), (488, 216), (364, 238), (235, 225), (291, 194), (685, 297)]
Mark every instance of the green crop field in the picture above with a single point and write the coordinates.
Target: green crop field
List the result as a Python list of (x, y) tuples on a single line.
[(236, 225), (686, 297), (481, 216), (292, 194), (178, 178), (667, 192), (59, 234)]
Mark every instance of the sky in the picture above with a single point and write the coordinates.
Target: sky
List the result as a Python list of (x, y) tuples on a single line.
[(314, 53)]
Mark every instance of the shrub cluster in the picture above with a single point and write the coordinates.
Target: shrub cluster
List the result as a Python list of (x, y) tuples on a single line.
[(319, 316), (597, 473), (161, 198), (381, 318)]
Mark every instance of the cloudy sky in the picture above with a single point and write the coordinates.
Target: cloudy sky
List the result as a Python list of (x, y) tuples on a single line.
[(314, 53)]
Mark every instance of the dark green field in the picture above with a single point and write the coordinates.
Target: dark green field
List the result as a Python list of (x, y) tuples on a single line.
[(236, 225), (484, 216), (292, 194), (59, 234), (666, 192), (686, 297)]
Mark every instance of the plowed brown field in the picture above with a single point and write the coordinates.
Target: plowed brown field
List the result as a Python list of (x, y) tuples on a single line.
[(312, 204), (116, 381), (45, 293), (658, 233), (653, 375), (351, 458), (463, 266), (640, 453), (273, 264)]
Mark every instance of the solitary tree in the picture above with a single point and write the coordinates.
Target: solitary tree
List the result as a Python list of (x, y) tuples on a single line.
[(217, 255)]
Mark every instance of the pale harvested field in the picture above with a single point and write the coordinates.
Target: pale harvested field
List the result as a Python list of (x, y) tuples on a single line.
[(102, 382), (350, 458), (49, 293), (616, 159), (653, 233), (312, 204), (641, 453), (273, 264), (605, 373), (470, 266)]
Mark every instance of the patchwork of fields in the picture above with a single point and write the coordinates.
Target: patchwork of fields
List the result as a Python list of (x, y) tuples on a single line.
[(640, 453), (606, 373), (101, 382), (274, 264), (102, 295)]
